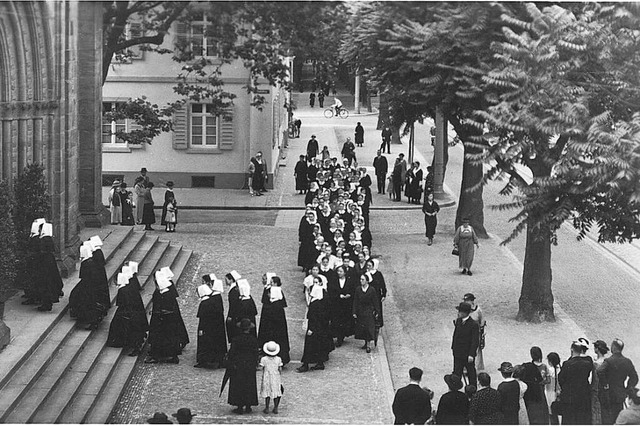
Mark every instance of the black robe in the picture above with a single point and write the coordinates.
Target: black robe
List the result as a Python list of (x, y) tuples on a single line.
[(307, 250), (273, 325), (129, 325), (89, 300), (165, 329), (241, 367), (318, 345), (49, 284), (341, 309), (430, 222), (232, 314), (33, 274), (247, 309), (127, 209), (212, 337), (381, 290), (302, 181), (366, 307), (167, 195)]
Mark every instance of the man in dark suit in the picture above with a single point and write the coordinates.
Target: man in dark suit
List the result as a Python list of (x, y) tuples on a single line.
[(509, 391), (312, 148), (614, 371), (412, 404), (381, 167), (466, 337)]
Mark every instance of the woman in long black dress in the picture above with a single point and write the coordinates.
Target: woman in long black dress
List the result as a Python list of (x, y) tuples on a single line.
[(273, 320), (165, 329), (49, 283), (340, 291), (300, 173), (32, 264), (129, 325), (168, 195), (247, 307), (366, 310), (430, 210), (241, 367), (212, 337), (317, 342), (379, 285), (306, 251), (127, 208), (89, 301)]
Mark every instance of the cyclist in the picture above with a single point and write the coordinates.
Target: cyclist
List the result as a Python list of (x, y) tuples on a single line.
[(337, 105)]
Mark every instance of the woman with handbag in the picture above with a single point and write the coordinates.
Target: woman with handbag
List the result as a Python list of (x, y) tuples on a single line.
[(463, 243)]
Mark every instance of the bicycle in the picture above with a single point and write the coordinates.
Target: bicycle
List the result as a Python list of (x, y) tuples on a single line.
[(330, 112)]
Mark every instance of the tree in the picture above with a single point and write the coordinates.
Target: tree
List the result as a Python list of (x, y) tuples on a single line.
[(7, 242), (550, 118)]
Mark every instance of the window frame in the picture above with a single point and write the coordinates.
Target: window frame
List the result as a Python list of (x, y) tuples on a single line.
[(113, 138), (190, 127), (205, 23)]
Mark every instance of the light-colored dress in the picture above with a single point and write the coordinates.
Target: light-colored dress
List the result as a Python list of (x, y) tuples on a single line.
[(271, 386), (139, 190), (465, 238), (552, 388), (523, 417)]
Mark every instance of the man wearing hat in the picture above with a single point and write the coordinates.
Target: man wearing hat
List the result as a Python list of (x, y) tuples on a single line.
[(143, 175), (466, 337), (159, 419), (412, 404), (509, 391), (183, 416)]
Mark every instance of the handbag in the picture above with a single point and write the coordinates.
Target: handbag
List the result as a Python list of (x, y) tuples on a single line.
[(557, 407), (455, 251)]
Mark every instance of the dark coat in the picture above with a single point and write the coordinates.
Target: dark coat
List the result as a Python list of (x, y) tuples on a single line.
[(534, 397), (381, 165), (127, 209), (148, 216), (232, 313), (366, 308), (453, 409), (273, 324), (49, 284), (485, 407), (89, 300), (129, 325), (430, 222), (167, 195), (212, 337), (300, 172), (341, 309), (306, 251), (411, 405), (614, 371), (242, 363), (247, 309), (465, 338), (166, 327), (359, 134), (509, 401), (312, 148), (318, 345), (380, 286), (574, 381)]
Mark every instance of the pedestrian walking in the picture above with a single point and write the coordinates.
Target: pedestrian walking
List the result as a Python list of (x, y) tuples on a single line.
[(139, 189), (89, 300), (148, 216), (430, 208), (33, 273), (631, 414), (381, 167), (386, 140), (321, 98), (129, 325), (509, 391), (380, 286), (317, 342), (126, 203), (484, 408), (359, 135), (615, 371), (453, 408), (477, 315), (348, 151), (340, 291), (366, 310), (599, 390), (300, 174), (312, 148), (241, 369), (518, 374), (233, 295), (465, 343), (574, 382), (273, 319), (115, 206), (312, 99), (463, 241), (534, 397), (184, 416), (212, 337), (271, 385), (552, 388), (412, 403), (168, 196), (48, 284)]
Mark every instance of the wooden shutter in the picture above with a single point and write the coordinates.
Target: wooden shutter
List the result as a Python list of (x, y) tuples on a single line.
[(226, 131), (182, 35), (181, 128)]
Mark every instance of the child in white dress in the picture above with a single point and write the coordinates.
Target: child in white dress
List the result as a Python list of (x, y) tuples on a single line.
[(271, 386)]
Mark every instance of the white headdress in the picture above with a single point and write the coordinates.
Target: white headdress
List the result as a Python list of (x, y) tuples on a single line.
[(217, 287), (35, 226), (47, 230), (244, 288), (269, 276), (134, 266), (236, 276), (123, 279), (275, 294), (213, 277), (166, 271), (316, 293), (204, 291), (85, 251), (96, 242), (162, 281)]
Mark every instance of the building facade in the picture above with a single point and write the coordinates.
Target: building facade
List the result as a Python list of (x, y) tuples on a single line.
[(202, 150)]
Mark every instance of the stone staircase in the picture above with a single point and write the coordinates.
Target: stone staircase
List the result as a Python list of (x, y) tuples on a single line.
[(55, 372)]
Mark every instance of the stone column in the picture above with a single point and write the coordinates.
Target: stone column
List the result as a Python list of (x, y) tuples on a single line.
[(90, 112)]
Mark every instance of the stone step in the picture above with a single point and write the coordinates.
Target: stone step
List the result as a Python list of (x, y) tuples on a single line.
[(19, 372), (49, 409), (112, 368)]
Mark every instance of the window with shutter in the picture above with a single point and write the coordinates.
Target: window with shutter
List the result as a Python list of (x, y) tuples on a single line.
[(110, 128), (180, 129), (226, 131), (203, 126), (196, 36)]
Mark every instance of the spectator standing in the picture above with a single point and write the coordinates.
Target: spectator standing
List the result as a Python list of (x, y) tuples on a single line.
[(313, 148), (300, 173), (127, 205), (386, 139), (430, 209), (297, 123), (381, 167), (168, 194), (172, 215), (534, 397), (615, 371), (414, 177), (465, 343), (574, 381), (453, 408), (321, 98), (631, 414), (312, 99), (259, 173), (242, 361), (348, 151), (428, 180), (148, 216), (552, 388), (518, 373), (359, 135), (599, 389), (464, 240), (403, 175), (139, 188), (509, 391), (115, 203), (484, 408), (271, 386), (412, 404), (396, 178), (144, 176), (159, 418), (477, 315)]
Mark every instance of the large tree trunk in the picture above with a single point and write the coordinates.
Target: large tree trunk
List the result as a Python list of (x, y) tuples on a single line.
[(470, 203), (536, 298)]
